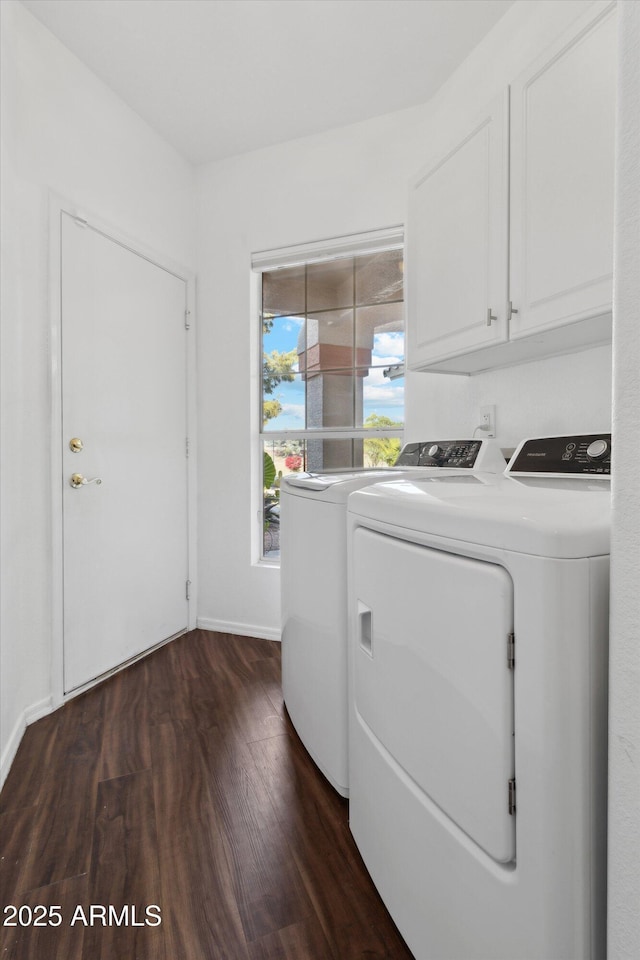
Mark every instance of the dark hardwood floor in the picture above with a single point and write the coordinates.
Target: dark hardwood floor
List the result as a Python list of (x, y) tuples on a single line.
[(181, 783)]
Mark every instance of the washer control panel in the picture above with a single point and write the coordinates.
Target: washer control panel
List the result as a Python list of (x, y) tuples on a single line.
[(440, 453), (587, 455)]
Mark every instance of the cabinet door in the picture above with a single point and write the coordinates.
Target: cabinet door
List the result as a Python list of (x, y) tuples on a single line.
[(562, 170), (457, 245)]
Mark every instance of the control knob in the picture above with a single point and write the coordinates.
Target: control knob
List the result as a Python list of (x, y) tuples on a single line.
[(597, 450), (433, 450)]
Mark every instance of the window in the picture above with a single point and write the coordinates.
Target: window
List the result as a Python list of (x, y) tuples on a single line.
[(332, 330)]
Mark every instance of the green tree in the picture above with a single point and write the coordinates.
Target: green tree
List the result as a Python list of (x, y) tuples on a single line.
[(381, 450), (270, 409), (277, 367)]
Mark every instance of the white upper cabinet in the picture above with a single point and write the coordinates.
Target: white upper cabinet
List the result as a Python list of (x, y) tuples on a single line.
[(457, 243), (562, 171), (510, 232)]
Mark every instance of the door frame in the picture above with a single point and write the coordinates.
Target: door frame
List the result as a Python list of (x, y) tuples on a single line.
[(57, 206)]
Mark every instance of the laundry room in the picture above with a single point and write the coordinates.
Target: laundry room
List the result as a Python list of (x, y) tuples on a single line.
[(93, 156)]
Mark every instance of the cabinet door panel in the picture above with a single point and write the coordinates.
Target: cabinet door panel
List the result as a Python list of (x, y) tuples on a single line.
[(457, 245), (562, 170)]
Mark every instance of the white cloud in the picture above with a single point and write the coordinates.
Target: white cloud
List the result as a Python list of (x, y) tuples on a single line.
[(390, 344), (383, 394), (292, 324), (292, 410), (386, 360)]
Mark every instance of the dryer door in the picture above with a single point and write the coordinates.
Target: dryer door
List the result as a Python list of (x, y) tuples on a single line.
[(431, 677)]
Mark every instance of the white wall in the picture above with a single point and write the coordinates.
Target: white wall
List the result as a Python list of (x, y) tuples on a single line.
[(568, 394), (342, 182), (62, 130), (624, 704)]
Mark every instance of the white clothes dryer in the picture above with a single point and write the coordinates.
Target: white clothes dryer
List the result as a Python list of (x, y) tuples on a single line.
[(478, 613), (313, 574)]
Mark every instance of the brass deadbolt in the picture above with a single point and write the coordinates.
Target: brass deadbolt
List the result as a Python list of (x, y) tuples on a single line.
[(75, 444)]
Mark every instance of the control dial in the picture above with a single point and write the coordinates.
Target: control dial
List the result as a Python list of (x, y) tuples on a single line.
[(597, 450), (433, 450)]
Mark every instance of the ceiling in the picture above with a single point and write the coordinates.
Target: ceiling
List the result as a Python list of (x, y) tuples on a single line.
[(220, 77)]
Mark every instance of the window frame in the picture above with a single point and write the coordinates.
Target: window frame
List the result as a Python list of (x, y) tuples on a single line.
[(346, 247)]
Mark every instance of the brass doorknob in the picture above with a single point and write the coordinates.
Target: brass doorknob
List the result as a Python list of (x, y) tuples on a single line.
[(77, 480)]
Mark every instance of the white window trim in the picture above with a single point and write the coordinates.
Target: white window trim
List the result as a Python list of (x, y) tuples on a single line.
[(391, 238)]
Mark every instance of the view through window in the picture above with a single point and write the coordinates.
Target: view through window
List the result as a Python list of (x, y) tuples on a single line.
[(332, 365)]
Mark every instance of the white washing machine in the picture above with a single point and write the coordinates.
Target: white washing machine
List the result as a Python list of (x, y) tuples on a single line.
[(478, 613), (313, 572)]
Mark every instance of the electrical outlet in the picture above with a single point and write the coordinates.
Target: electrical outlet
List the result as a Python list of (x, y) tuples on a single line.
[(488, 420)]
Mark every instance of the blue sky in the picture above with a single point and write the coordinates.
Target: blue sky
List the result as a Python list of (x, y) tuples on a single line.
[(381, 396)]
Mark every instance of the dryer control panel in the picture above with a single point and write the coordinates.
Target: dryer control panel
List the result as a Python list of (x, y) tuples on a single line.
[(441, 453), (582, 455)]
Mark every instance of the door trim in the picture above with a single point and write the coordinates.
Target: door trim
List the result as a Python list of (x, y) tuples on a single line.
[(57, 206)]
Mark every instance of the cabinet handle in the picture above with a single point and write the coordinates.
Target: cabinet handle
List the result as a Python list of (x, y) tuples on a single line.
[(512, 309), (490, 316)]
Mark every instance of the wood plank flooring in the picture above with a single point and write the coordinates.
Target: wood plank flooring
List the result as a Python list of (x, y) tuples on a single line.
[(180, 782)]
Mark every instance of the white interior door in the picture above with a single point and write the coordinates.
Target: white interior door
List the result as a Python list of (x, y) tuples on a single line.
[(124, 397)]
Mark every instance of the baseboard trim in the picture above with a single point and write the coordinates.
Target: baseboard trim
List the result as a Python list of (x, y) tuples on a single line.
[(28, 716), (242, 629)]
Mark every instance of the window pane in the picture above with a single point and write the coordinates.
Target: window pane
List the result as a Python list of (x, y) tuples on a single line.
[(329, 340), (380, 329), (334, 454), (282, 338), (284, 408), (381, 451), (383, 400), (333, 396), (330, 284), (283, 292), (379, 277), (329, 330), (282, 457), (388, 349), (287, 456)]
